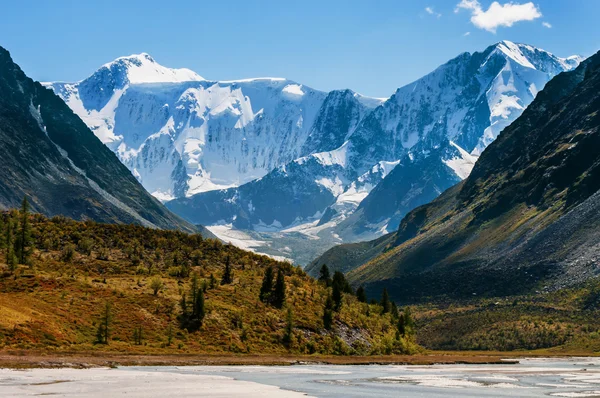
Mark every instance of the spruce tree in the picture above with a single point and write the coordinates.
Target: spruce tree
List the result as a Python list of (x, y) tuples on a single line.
[(279, 291), (394, 312), (385, 301), (267, 286), (328, 313), (227, 274), (400, 327), (11, 259), (361, 295), (213, 282), (23, 241), (408, 321), (103, 331), (199, 310), (325, 276), (183, 305), (194, 287), (336, 296), (289, 328), (2, 232)]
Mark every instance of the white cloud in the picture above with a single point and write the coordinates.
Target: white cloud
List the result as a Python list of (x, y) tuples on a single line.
[(499, 14), (547, 25), (467, 34), (431, 11)]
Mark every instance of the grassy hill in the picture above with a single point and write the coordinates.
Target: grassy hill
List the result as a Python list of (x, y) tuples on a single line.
[(76, 270)]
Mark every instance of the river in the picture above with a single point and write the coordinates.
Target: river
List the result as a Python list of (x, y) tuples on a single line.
[(540, 377)]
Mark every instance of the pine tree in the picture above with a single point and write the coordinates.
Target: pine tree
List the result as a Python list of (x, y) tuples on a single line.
[(103, 332), (170, 335), (199, 310), (267, 286), (183, 305), (400, 327), (23, 240), (408, 321), (328, 313), (137, 335), (361, 295), (279, 291), (9, 239), (213, 282), (336, 295), (289, 328), (325, 276), (2, 232), (227, 274), (385, 301), (194, 287), (394, 312)]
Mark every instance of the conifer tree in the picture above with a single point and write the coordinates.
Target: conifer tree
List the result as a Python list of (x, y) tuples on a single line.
[(328, 313), (137, 335), (194, 287), (408, 321), (279, 291), (289, 328), (183, 305), (400, 327), (227, 274), (103, 332), (213, 281), (199, 310), (361, 295), (336, 295), (394, 312), (267, 286), (385, 301), (9, 239), (2, 232), (23, 240), (325, 276)]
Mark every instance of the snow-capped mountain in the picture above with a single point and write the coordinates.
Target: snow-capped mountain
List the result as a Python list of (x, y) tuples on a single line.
[(404, 153), (180, 134), (288, 164)]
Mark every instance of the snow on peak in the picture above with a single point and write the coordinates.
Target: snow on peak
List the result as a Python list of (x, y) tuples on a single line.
[(293, 90), (536, 58), (142, 68), (514, 52)]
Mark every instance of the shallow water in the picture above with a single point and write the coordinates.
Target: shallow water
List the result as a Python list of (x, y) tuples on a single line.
[(575, 377)]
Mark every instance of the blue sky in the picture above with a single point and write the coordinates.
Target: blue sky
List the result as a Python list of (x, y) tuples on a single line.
[(372, 46)]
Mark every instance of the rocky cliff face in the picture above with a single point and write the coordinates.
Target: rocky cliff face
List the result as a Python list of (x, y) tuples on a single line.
[(51, 156)]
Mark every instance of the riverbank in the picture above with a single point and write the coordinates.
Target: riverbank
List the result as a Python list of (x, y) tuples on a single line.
[(82, 360)]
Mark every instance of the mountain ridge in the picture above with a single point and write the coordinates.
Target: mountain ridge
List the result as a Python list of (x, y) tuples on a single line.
[(521, 222)]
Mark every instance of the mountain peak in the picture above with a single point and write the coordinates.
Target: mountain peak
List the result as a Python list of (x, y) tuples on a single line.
[(534, 57), (142, 68)]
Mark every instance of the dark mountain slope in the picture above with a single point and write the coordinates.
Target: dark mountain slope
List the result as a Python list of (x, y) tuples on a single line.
[(51, 156), (524, 220)]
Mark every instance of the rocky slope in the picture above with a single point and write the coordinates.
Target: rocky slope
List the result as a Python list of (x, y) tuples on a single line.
[(522, 221), (51, 156)]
